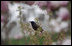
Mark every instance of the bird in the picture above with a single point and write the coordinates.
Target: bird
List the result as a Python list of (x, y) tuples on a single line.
[(36, 26)]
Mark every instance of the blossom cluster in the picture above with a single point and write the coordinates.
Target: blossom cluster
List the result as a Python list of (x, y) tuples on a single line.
[(52, 16)]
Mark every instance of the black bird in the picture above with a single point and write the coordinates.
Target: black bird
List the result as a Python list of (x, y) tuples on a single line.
[(35, 26)]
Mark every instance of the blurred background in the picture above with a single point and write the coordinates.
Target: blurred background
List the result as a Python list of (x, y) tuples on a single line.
[(54, 17)]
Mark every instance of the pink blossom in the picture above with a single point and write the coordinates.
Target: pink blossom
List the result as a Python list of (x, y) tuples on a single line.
[(63, 13), (56, 4), (17, 1), (22, 1), (18, 36), (2, 18), (48, 10), (64, 3), (53, 4), (4, 6), (29, 2), (41, 3)]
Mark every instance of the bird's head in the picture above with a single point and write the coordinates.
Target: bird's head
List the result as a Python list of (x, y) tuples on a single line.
[(32, 22)]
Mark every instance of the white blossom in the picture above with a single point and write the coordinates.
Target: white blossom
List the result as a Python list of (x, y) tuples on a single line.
[(67, 42)]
